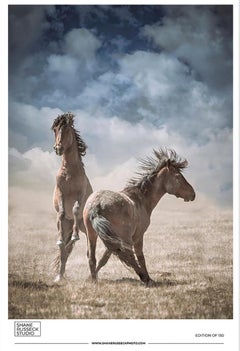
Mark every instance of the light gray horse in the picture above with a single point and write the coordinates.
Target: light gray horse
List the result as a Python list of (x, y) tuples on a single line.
[(120, 219)]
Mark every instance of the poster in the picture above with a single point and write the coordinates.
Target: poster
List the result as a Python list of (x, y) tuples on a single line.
[(137, 78)]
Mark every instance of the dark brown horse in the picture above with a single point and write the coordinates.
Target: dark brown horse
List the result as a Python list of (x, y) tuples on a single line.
[(120, 219), (72, 187)]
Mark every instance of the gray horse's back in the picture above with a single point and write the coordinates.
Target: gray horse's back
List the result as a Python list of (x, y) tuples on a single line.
[(109, 203)]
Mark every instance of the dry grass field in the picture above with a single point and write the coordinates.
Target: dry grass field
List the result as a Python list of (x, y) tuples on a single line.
[(188, 249)]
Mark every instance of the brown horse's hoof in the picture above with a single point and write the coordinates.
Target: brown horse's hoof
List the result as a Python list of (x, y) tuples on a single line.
[(75, 237), (59, 243)]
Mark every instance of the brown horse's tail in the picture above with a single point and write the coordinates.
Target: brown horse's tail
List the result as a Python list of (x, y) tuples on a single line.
[(113, 243)]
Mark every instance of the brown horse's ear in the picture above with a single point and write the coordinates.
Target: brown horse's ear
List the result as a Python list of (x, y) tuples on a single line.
[(168, 164), (70, 119)]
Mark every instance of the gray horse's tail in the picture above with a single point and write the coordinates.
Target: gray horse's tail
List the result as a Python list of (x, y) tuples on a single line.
[(113, 243), (102, 227)]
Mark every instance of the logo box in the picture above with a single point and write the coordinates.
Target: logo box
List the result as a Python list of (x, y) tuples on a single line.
[(27, 329)]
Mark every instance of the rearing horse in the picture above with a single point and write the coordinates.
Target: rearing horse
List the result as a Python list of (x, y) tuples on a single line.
[(72, 187), (120, 219)]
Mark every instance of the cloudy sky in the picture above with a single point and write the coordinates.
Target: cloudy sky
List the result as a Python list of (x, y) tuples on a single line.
[(136, 77)]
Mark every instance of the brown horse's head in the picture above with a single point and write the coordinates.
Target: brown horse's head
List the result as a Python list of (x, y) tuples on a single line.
[(63, 130), (65, 134), (175, 183)]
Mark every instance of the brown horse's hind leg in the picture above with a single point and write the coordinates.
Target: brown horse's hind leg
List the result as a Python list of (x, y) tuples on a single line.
[(103, 260), (60, 219), (64, 249), (75, 235), (63, 260)]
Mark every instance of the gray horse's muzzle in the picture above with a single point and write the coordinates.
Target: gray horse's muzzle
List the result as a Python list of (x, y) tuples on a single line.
[(190, 197)]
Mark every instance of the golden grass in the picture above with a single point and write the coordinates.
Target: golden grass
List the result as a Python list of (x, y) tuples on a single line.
[(188, 249)]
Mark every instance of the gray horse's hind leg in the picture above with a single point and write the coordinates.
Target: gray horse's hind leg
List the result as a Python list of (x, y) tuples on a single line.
[(138, 248), (91, 241), (103, 260), (127, 256)]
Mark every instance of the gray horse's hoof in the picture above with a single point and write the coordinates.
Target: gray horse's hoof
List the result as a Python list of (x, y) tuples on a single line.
[(93, 279), (75, 237), (59, 243)]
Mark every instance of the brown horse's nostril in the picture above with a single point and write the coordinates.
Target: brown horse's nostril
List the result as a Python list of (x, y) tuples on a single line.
[(58, 149)]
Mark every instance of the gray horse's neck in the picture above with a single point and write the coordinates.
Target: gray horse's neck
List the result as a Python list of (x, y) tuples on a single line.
[(151, 200), (148, 198)]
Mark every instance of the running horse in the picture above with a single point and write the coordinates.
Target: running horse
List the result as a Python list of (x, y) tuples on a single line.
[(72, 188), (120, 219)]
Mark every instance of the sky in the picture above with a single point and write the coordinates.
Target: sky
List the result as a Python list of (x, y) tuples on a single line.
[(136, 77)]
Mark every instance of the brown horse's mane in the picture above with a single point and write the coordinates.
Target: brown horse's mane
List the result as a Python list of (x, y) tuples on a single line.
[(67, 119), (149, 168)]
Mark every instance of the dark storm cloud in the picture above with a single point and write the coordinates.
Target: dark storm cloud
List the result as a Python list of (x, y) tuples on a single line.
[(26, 27), (136, 76), (37, 32), (202, 37)]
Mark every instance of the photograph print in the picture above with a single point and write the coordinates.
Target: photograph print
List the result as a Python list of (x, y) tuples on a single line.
[(120, 162)]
